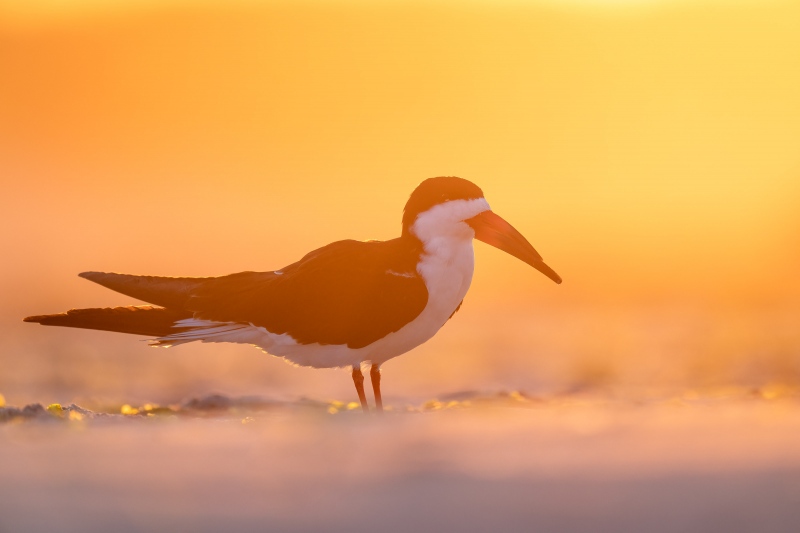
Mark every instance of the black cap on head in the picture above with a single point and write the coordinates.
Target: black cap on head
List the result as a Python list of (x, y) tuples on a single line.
[(435, 191)]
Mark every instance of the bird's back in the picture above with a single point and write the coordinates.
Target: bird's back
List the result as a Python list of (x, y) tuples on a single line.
[(348, 292)]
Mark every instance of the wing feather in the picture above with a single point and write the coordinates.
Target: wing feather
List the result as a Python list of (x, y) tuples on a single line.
[(158, 290), (345, 293)]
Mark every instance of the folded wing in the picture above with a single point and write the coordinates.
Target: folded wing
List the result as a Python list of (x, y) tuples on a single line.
[(348, 292)]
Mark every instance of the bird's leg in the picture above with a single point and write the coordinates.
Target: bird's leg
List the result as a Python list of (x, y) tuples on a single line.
[(375, 375), (358, 379)]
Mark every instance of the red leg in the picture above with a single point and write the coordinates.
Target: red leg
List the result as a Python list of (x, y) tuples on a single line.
[(375, 375), (358, 379)]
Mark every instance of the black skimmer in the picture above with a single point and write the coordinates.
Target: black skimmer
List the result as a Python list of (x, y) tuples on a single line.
[(343, 305)]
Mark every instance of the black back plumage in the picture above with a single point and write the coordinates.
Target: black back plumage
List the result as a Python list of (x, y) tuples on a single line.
[(348, 292)]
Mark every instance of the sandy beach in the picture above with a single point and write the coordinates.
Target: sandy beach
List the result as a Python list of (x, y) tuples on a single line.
[(502, 463)]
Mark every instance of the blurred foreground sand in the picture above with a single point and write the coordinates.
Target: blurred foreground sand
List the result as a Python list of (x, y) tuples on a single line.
[(500, 463)]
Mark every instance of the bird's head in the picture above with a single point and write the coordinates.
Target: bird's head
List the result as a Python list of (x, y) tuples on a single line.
[(450, 207)]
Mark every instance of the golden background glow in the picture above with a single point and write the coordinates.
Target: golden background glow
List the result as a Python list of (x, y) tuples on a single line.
[(649, 150)]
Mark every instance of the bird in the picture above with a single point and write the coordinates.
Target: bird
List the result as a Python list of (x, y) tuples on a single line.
[(345, 305)]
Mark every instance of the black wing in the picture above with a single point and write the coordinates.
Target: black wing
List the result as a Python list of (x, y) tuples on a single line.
[(349, 292)]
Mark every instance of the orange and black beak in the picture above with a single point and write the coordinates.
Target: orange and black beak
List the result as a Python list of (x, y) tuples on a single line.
[(492, 229)]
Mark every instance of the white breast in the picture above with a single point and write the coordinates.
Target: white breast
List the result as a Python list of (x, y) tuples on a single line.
[(446, 266)]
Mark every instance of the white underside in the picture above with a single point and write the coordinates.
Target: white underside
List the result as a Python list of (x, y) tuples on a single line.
[(446, 266)]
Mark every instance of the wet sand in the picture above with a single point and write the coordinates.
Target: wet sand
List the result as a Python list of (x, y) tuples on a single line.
[(496, 463)]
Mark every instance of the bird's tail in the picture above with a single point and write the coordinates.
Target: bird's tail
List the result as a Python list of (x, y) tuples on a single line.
[(138, 320)]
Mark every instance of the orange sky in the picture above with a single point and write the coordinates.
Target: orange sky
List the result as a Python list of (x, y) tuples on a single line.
[(649, 150), (643, 150)]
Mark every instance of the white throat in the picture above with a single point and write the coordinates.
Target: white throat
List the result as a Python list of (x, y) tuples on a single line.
[(448, 260), (446, 221)]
